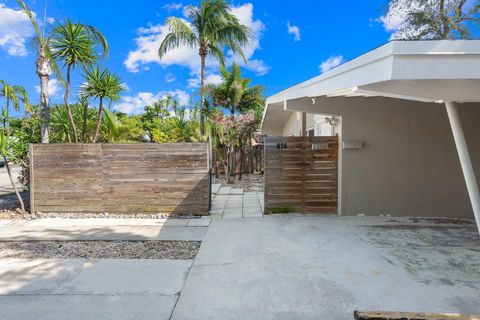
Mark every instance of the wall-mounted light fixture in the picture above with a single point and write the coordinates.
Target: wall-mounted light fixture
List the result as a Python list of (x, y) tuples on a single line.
[(332, 121), (314, 100)]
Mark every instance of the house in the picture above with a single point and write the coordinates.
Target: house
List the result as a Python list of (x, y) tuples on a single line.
[(394, 110)]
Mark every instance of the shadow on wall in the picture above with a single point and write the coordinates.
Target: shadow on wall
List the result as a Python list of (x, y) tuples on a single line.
[(125, 179)]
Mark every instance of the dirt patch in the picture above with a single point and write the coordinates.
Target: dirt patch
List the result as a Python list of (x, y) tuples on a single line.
[(249, 182), (175, 250)]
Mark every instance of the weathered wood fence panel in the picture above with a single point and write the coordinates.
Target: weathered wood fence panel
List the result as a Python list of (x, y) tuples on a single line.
[(120, 178), (301, 174)]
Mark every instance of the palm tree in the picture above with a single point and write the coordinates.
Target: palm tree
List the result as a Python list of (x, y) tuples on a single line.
[(45, 65), (102, 85), (14, 95), (74, 44), (234, 93), (212, 28)]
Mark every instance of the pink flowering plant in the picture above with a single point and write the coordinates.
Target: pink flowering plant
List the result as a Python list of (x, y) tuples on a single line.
[(232, 132)]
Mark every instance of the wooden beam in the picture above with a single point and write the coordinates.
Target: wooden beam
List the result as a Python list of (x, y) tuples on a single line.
[(304, 124), (385, 315)]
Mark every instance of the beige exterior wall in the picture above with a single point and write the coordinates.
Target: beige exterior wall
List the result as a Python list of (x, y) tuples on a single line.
[(409, 164)]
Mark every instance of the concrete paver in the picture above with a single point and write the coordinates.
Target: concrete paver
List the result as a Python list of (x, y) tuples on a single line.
[(236, 204), (92, 307), (51, 289)]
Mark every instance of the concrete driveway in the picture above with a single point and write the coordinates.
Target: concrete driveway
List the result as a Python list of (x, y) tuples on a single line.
[(326, 267), (256, 268)]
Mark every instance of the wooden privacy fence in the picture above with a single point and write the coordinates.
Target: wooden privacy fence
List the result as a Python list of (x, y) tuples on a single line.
[(120, 178), (301, 174)]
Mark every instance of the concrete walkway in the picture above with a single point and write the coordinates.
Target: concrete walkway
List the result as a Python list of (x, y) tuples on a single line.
[(327, 267), (95, 289), (231, 203), (106, 229)]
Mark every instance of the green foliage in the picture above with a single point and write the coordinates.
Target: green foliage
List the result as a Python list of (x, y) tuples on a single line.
[(130, 129), (282, 209), (175, 130)]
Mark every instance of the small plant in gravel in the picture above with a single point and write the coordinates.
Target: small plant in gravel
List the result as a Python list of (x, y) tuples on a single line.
[(282, 209)]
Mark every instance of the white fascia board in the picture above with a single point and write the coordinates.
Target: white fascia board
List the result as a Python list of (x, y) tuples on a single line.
[(368, 58), (397, 60)]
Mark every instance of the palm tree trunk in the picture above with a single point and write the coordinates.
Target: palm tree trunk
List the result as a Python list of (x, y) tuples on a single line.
[(4, 120), (85, 114), (22, 205), (227, 164), (202, 94), (44, 71), (250, 156), (241, 162), (99, 120), (69, 110)]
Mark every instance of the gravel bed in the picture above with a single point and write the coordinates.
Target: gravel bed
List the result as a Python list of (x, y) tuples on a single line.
[(175, 250), (249, 182), (40, 215)]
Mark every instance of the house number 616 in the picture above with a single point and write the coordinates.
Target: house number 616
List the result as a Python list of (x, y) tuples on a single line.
[(282, 146)]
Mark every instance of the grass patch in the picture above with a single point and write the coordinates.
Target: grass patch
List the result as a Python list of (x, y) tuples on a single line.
[(282, 209)]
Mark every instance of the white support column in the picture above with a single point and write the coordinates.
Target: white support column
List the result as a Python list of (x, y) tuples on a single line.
[(465, 160)]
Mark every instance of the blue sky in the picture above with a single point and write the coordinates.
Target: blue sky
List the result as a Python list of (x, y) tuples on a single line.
[(293, 40)]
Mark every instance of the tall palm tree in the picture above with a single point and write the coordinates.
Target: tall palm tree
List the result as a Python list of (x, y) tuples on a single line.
[(211, 28), (74, 44), (102, 85), (45, 65)]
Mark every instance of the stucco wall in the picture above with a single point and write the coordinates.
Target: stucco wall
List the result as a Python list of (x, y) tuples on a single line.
[(409, 165)]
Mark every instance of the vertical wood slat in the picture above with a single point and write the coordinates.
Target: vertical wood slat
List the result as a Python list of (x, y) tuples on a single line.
[(301, 174), (120, 178), (32, 182)]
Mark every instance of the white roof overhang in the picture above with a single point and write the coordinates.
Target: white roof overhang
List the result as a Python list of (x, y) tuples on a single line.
[(427, 71)]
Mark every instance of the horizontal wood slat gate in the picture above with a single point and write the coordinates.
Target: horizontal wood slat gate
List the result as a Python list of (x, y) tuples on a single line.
[(301, 174), (120, 178)]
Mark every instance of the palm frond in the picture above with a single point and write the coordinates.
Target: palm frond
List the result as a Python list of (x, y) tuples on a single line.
[(180, 35)]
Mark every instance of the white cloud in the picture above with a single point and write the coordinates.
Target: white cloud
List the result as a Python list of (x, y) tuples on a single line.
[(173, 6), (169, 78), (295, 31), (136, 104), (330, 63), (54, 88), (15, 29), (258, 66), (150, 38), (212, 78), (149, 41), (50, 20)]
